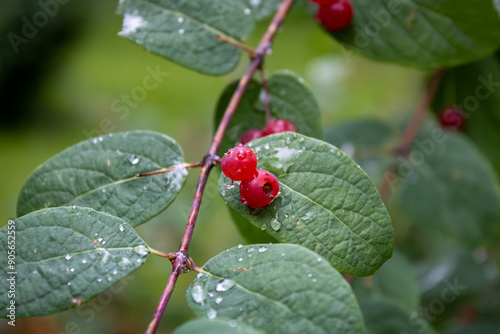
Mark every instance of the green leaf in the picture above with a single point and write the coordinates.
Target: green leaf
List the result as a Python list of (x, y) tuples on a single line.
[(186, 31), (454, 182), (100, 173), (326, 203), (395, 282), (206, 326), (290, 98), (262, 9), (425, 34), (475, 89), (384, 317), (276, 288), (65, 256)]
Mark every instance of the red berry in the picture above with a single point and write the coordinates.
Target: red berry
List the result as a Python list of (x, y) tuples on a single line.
[(277, 126), (239, 163), (335, 16), (452, 118), (324, 2), (250, 135), (259, 191)]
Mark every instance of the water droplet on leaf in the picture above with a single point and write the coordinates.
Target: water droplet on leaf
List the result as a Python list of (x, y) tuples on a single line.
[(225, 285), (198, 295), (212, 314), (133, 159)]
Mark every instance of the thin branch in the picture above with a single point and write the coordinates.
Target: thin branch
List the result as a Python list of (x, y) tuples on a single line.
[(267, 98), (411, 130), (182, 259), (161, 171), (234, 43)]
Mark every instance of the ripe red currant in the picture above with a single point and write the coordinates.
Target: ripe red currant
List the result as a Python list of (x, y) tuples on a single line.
[(452, 118), (277, 126), (250, 135), (259, 191), (335, 16), (324, 2), (239, 163)]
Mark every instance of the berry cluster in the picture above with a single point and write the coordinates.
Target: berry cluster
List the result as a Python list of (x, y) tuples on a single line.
[(334, 14), (258, 187), (273, 126)]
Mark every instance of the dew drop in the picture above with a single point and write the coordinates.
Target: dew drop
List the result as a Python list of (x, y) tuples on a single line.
[(269, 51), (232, 323), (240, 259), (218, 300), (180, 31), (240, 246), (67, 257), (69, 283), (100, 139), (124, 262), (254, 3), (74, 207), (309, 275), (263, 227), (94, 140), (99, 280), (319, 259), (84, 261), (198, 295), (35, 251), (248, 11), (72, 270), (210, 294), (141, 250), (262, 249), (282, 254), (114, 272), (276, 225), (133, 159), (212, 314), (121, 228), (225, 285), (250, 250), (35, 272), (314, 280), (180, 19)]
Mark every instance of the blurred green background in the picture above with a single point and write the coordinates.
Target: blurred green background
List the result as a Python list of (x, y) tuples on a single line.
[(62, 83)]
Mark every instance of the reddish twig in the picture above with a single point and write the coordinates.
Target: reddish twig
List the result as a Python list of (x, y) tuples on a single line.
[(410, 132), (182, 260)]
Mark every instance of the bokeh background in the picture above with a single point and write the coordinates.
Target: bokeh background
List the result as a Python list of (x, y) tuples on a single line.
[(62, 83)]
